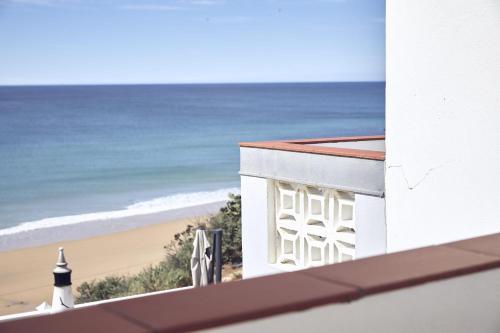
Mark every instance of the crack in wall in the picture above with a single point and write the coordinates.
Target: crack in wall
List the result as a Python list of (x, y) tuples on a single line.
[(412, 187)]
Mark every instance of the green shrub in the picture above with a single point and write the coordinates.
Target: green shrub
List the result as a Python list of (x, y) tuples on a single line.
[(229, 220), (109, 287), (175, 270)]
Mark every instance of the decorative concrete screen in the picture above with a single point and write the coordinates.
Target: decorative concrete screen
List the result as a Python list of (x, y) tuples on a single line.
[(311, 202), (313, 226)]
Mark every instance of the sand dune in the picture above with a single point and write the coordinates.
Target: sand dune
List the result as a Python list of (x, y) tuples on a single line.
[(26, 275)]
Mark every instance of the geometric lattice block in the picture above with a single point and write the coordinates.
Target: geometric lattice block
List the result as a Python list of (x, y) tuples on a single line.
[(314, 226), (345, 235)]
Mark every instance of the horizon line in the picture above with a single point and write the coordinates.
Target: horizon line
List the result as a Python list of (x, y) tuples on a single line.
[(182, 83)]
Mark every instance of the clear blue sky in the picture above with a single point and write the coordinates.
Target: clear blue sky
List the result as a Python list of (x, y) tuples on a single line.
[(190, 41)]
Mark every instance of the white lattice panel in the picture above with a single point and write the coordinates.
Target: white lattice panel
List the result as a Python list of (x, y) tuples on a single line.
[(314, 226)]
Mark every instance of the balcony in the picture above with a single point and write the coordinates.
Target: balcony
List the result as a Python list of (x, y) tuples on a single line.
[(447, 288), (311, 202)]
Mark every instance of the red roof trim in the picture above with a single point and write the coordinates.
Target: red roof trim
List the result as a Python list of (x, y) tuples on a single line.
[(306, 146)]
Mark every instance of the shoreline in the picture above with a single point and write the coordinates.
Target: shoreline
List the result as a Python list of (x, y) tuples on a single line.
[(83, 230), (26, 279)]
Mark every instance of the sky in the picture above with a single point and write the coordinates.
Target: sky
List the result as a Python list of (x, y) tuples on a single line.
[(190, 41)]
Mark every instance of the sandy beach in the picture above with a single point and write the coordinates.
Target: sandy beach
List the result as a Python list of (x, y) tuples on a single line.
[(26, 274)]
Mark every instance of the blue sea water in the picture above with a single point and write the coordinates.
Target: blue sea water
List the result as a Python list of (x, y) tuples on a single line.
[(71, 154)]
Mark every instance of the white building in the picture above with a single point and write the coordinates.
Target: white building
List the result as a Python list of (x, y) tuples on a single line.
[(440, 180), (311, 202), (442, 121)]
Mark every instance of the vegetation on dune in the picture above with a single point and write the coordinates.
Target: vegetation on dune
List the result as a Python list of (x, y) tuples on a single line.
[(175, 270), (229, 220)]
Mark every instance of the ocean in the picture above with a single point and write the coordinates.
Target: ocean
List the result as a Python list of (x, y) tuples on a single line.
[(80, 154)]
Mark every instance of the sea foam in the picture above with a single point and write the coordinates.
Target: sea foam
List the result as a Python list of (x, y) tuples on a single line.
[(157, 205)]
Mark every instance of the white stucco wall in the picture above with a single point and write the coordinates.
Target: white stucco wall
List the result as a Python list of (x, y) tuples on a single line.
[(258, 229), (442, 121), (254, 228), (370, 225)]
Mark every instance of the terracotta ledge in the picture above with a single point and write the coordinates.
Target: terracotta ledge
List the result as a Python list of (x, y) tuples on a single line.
[(306, 146), (272, 295)]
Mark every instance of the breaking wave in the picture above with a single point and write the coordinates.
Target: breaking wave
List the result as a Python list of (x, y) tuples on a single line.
[(157, 205)]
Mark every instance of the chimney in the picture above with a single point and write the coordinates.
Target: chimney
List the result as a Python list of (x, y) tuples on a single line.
[(62, 298)]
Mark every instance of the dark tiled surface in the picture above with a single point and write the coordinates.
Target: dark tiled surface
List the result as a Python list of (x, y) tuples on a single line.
[(232, 302), (255, 298), (403, 269), (486, 244), (91, 319)]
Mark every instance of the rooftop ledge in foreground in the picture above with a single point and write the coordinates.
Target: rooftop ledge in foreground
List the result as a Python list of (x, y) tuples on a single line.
[(451, 287), (354, 164)]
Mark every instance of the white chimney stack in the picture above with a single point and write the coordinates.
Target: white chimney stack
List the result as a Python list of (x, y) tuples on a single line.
[(62, 298)]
